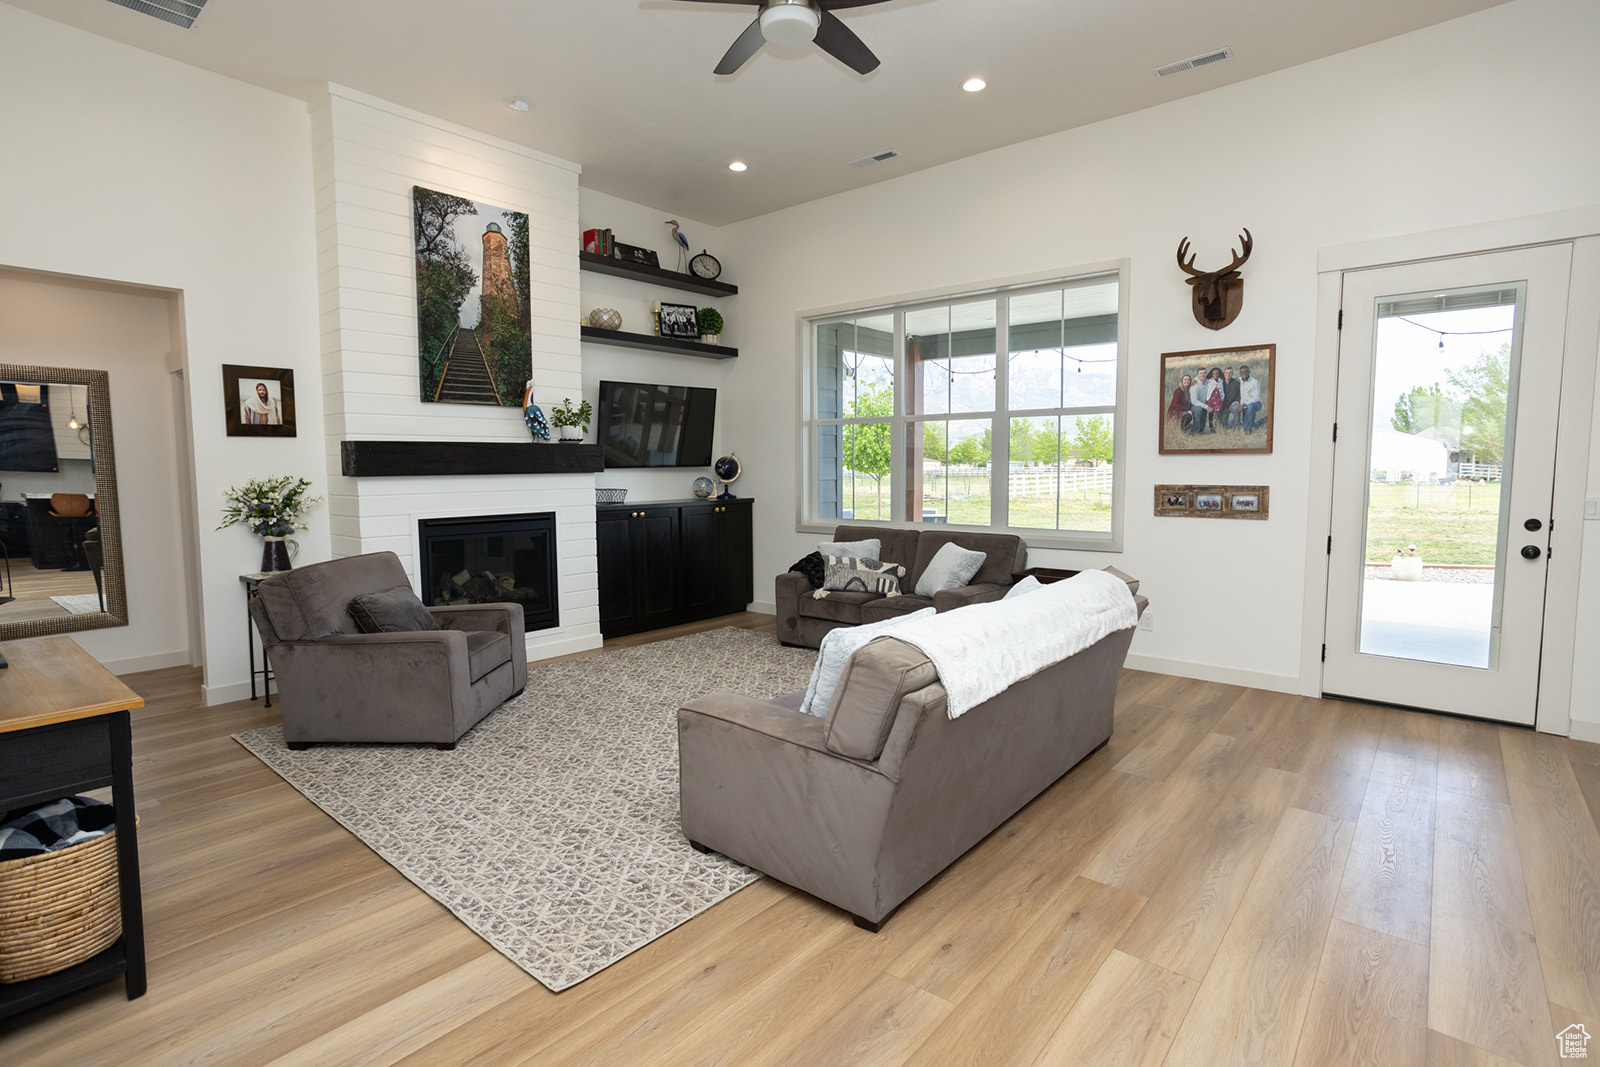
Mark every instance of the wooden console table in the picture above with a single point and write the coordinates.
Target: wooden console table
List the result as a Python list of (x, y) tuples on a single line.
[(64, 729)]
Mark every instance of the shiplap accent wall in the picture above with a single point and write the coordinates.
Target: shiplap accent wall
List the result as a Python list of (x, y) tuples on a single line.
[(367, 155)]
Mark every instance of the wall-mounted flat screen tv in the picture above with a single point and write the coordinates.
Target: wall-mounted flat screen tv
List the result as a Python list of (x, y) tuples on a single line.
[(26, 440), (656, 425)]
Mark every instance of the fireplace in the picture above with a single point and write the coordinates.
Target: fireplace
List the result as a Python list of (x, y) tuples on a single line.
[(486, 559)]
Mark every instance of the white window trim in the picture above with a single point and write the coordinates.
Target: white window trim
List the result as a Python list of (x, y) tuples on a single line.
[(805, 473)]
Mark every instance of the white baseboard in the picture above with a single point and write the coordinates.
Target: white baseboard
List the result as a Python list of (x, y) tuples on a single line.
[(156, 662), (561, 645), (1584, 730), (764, 607), (228, 693), (1208, 672)]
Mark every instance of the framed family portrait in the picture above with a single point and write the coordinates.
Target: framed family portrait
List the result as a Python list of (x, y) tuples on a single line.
[(681, 321), (1212, 501), (1218, 400), (259, 401)]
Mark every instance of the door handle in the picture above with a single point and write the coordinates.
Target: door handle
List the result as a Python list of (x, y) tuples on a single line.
[(1532, 525), (1531, 552)]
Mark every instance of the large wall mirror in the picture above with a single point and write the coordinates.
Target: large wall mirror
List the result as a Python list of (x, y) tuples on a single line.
[(60, 538)]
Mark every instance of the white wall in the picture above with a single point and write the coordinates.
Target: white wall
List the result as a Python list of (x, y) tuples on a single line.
[(56, 322), (637, 224), (1481, 118), (124, 166)]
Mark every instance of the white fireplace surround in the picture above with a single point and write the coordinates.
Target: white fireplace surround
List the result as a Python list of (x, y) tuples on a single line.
[(367, 155)]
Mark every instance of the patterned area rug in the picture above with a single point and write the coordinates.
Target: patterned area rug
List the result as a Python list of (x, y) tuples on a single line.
[(552, 829), (79, 603)]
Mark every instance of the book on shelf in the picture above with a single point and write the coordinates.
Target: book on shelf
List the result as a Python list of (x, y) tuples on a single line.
[(600, 242)]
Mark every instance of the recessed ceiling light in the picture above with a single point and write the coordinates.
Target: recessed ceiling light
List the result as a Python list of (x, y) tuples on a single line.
[(516, 103), (737, 167), (974, 85)]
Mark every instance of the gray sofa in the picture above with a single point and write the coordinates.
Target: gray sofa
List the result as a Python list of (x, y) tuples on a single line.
[(865, 807), (339, 684), (803, 618)]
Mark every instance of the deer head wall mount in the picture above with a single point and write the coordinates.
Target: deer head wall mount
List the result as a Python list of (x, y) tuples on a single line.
[(1217, 295)]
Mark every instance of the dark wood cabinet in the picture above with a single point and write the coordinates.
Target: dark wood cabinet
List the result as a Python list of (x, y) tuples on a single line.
[(662, 564)]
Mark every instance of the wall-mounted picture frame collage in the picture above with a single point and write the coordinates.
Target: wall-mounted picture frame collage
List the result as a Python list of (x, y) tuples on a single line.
[(1212, 501)]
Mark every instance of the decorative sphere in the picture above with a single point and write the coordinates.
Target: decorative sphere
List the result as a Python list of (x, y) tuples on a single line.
[(605, 319), (727, 468), (703, 487)]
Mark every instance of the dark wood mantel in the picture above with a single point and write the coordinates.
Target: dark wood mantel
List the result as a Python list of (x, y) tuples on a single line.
[(376, 459)]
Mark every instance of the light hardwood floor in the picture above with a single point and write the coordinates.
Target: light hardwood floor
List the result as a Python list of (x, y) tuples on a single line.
[(1238, 877), (32, 589)]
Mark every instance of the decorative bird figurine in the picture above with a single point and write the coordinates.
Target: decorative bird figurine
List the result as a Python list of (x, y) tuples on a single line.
[(533, 416), (683, 246)]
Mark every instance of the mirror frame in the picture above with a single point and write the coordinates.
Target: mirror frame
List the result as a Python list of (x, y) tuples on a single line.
[(103, 454)]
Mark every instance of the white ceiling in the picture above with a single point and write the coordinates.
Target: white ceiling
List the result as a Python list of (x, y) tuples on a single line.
[(624, 87)]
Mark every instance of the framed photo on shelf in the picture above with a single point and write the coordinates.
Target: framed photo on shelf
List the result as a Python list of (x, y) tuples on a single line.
[(635, 254), (1218, 400), (681, 321), (259, 401)]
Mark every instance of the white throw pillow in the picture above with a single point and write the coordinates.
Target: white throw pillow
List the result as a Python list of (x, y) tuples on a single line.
[(868, 549), (950, 568), (837, 647), (1023, 588)]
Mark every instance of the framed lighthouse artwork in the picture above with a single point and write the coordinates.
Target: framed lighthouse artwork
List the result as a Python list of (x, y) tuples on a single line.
[(474, 342)]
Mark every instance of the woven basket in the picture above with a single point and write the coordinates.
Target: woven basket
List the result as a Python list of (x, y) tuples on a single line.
[(58, 909), (610, 496)]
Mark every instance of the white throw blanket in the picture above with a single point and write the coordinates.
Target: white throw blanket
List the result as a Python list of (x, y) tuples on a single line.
[(982, 649)]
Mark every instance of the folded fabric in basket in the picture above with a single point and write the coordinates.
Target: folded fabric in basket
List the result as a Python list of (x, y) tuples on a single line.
[(53, 826)]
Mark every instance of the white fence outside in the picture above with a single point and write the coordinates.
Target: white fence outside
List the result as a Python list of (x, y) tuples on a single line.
[(1025, 481)]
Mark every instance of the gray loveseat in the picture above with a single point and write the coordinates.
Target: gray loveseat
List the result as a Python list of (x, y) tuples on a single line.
[(339, 684), (865, 807), (803, 618)]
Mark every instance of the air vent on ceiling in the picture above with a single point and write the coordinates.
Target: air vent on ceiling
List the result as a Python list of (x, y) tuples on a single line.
[(867, 161), (178, 12), (1192, 62)]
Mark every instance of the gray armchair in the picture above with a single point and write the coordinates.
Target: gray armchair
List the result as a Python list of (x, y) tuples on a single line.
[(337, 683)]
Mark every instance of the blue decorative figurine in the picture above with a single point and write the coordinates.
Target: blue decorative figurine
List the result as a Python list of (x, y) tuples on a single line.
[(683, 246), (533, 416)]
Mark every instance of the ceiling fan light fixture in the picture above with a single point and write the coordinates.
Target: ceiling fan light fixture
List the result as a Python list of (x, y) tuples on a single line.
[(789, 23)]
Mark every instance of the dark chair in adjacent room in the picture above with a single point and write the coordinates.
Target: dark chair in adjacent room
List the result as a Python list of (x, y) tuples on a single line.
[(358, 657), (76, 510), (95, 561)]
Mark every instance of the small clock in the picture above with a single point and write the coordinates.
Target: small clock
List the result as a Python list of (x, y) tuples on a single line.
[(705, 265)]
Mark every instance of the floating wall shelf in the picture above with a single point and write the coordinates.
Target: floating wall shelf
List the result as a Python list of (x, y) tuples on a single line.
[(675, 345), (625, 268)]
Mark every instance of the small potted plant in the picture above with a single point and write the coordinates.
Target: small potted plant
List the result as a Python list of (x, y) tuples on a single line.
[(710, 326), (1406, 566), (571, 422)]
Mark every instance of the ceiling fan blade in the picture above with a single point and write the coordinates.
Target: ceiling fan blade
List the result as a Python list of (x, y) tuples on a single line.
[(840, 42), (835, 5), (748, 44), (757, 3)]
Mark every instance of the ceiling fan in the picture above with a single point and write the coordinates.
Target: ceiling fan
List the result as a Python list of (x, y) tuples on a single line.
[(795, 22)]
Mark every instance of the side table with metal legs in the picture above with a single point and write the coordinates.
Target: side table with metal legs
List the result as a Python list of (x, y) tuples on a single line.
[(252, 589)]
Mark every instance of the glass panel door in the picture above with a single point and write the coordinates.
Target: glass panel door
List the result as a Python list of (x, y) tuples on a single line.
[(1444, 459), (1439, 452)]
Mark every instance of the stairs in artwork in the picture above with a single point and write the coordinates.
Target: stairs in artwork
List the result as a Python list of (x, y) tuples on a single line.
[(466, 379)]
